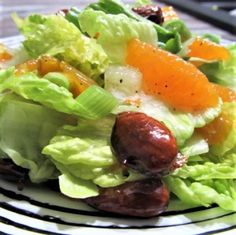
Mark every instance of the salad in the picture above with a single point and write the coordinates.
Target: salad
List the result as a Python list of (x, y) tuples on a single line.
[(122, 107)]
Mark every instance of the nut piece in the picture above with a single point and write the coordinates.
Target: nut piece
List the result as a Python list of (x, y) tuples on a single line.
[(143, 198), (150, 12), (143, 144)]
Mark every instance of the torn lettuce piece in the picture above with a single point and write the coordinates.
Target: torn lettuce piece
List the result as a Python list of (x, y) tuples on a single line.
[(168, 40), (76, 188), (84, 152), (54, 35), (203, 118), (73, 150), (225, 168), (223, 72), (25, 128), (140, 3), (178, 27), (93, 103), (211, 177), (195, 146), (204, 193), (113, 32)]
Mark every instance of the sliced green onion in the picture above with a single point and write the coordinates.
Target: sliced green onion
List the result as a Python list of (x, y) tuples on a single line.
[(95, 102)]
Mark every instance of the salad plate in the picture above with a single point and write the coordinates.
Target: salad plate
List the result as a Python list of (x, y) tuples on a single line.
[(29, 208), (38, 210)]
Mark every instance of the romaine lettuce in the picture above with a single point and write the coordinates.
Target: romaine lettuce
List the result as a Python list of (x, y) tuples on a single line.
[(211, 177), (93, 103), (168, 39), (54, 35), (204, 193), (76, 188), (83, 154), (114, 31), (25, 128)]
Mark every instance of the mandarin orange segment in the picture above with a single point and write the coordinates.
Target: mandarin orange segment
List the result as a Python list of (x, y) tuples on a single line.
[(46, 64), (4, 53), (4, 56), (170, 78), (216, 131), (225, 93), (169, 13), (207, 50)]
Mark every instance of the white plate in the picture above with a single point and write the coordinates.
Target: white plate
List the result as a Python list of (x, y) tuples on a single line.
[(39, 210)]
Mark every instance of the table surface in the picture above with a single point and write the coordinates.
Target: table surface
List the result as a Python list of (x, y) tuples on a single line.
[(25, 7)]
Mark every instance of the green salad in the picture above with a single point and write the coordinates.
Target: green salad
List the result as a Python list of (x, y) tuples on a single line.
[(82, 70)]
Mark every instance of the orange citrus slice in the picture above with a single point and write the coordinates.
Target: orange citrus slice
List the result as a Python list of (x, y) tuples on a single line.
[(225, 93), (207, 50), (170, 78), (4, 53), (169, 13), (46, 64), (216, 131)]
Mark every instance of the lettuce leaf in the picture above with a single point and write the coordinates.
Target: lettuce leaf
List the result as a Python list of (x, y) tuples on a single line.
[(194, 146), (25, 128), (114, 31), (204, 193), (76, 188), (139, 3), (83, 153), (224, 72), (54, 35), (223, 169), (93, 103), (206, 183), (211, 177), (168, 39)]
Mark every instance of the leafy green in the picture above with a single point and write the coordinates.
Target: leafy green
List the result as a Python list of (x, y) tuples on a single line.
[(205, 193), (93, 103), (194, 146), (139, 3), (210, 178), (223, 169), (166, 39), (113, 32), (113, 7), (84, 153), (223, 72), (54, 35), (25, 128), (178, 27), (75, 150), (201, 119), (76, 188), (72, 16), (229, 110), (211, 37)]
